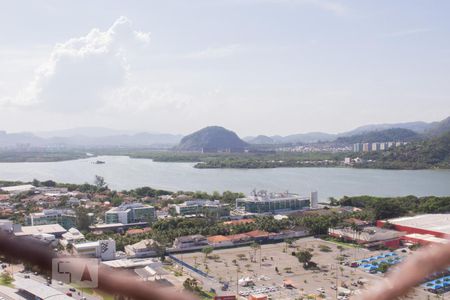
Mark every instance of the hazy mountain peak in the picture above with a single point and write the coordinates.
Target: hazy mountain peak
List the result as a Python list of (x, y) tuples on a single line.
[(212, 138)]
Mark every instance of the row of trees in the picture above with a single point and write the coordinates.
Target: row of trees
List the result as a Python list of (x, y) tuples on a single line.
[(390, 207), (166, 231)]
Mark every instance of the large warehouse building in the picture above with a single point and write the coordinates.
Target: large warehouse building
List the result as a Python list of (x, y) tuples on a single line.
[(434, 224), (422, 228)]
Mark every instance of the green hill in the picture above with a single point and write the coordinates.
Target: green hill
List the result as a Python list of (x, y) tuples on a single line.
[(212, 139), (387, 135), (439, 128), (430, 153), (261, 140)]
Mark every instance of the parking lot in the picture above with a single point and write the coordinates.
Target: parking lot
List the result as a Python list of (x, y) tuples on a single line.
[(274, 271)]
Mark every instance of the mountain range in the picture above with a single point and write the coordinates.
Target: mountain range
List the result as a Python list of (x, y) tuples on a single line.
[(106, 137), (421, 128), (91, 138)]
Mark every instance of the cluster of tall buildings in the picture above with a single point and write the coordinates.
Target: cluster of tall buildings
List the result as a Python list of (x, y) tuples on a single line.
[(377, 146)]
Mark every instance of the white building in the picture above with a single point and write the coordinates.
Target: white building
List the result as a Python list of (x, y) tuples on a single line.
[(45, 237), (17, 189), (38, 289), (263, 202), (6, 225), (130, 213), (190, 241), (103, 249), (52, 191), (72, 236), (54, 229), (144, 248), (314, 200)]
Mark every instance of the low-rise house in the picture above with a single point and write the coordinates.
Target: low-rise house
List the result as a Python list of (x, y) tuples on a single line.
[(258, 235), (54, 229), (289, 234), (72, 236), (370, 237), (46, 238), (116, 227), (240, 238), (135, 263), (144, 248), (52, 191), (17, 189), (134, 231), (190, 242), (219, 241), (357, 222), (152, 273), (73, 201)]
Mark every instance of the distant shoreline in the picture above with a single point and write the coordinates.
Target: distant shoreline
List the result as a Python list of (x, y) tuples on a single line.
[(204, 161)]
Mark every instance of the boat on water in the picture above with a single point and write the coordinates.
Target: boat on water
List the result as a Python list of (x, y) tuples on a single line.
[(99, 162)]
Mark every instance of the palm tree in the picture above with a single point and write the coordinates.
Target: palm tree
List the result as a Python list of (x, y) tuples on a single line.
[(207, 251), (255, 247)]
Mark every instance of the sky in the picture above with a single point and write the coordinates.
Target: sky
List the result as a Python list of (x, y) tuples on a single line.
[(253, 66)]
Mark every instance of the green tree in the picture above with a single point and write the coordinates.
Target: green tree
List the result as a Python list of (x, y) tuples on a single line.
[(100, 182), (383, 267), (69, 248), (83, 220), (116, 201), (255, 247), (207, 251), (304, 257), (6, 278), (191, 285)]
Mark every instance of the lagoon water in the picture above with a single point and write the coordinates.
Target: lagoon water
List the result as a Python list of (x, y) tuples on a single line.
[(121, 172)]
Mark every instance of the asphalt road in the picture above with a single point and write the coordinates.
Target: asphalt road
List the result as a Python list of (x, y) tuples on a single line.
[(64, 288)]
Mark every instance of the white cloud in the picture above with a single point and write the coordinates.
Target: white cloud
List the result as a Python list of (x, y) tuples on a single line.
[(82, 71), (138, 99)]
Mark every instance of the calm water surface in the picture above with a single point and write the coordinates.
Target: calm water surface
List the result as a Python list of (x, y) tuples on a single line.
[(122, 172)]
